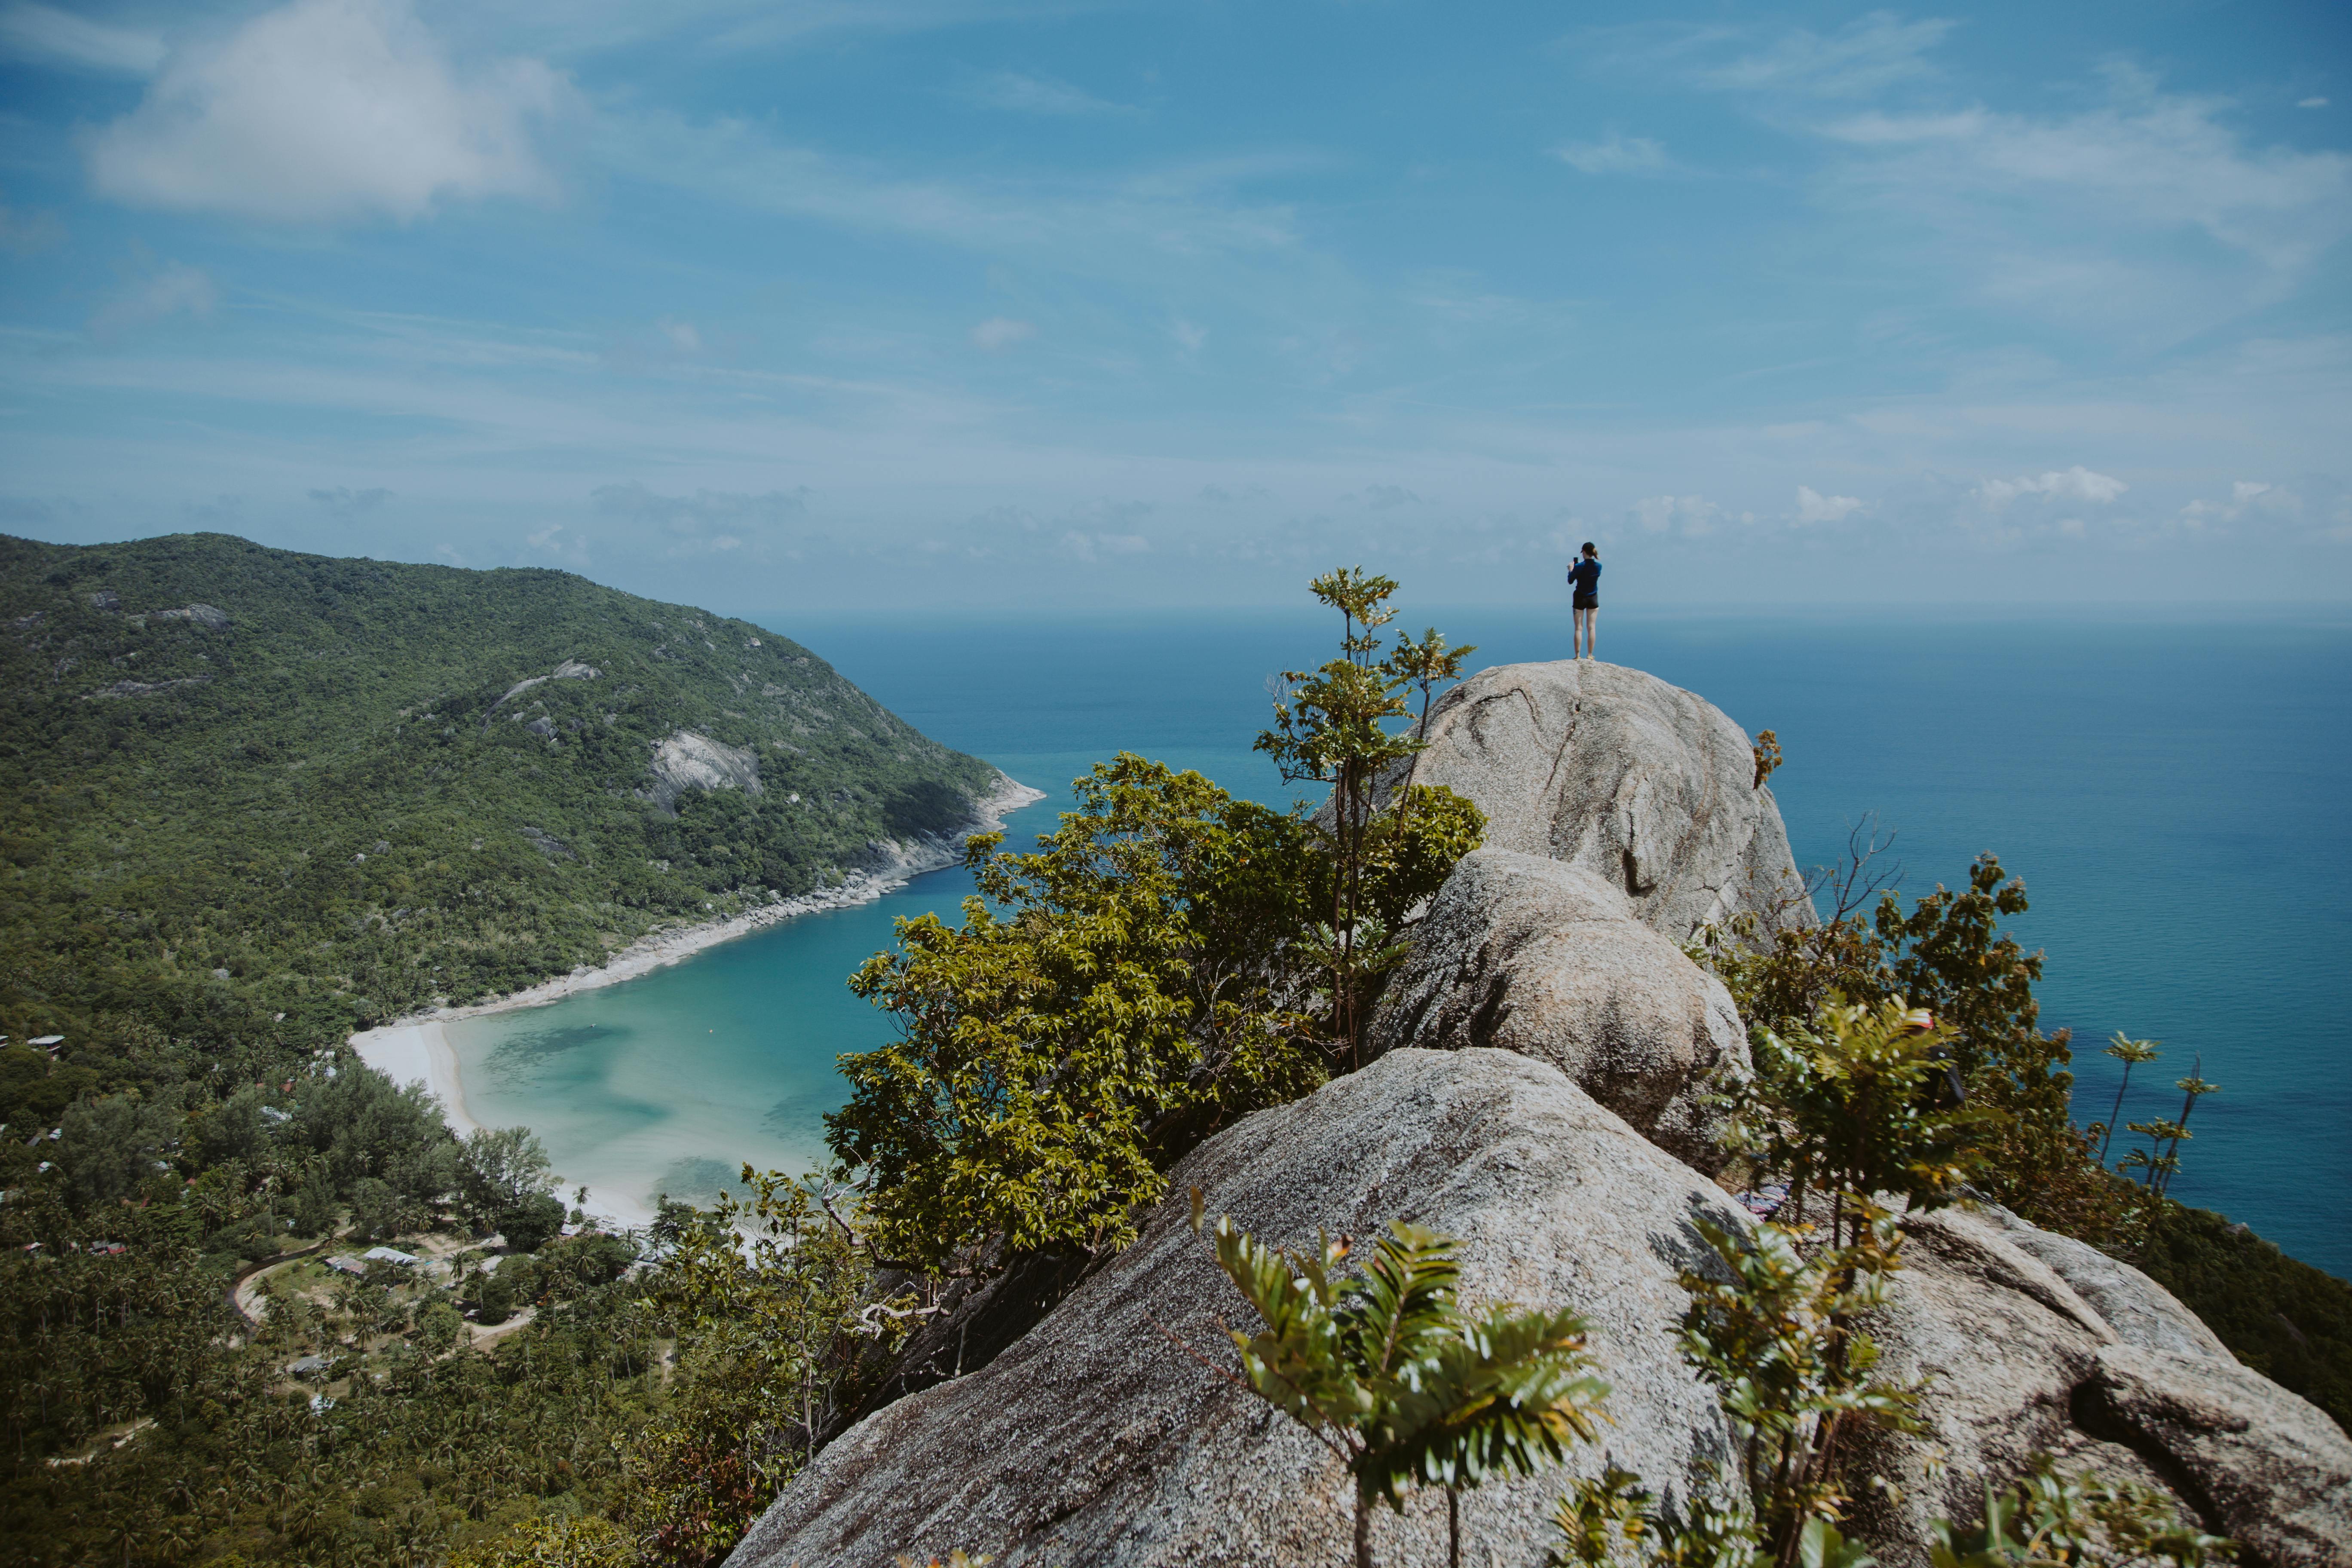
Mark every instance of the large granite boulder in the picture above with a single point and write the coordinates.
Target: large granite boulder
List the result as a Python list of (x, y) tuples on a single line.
[(2266, 1468), (1546, 959), (2021, 1362), (2140, 1312), (1649, 787), (1097, 1439)]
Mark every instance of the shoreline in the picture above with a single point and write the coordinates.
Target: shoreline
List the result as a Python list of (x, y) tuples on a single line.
[(416, 1048)]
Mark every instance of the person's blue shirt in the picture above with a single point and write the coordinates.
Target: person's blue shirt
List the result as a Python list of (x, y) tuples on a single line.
[(1586, 576)]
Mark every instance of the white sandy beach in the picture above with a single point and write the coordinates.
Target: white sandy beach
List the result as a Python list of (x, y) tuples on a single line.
[(416, 1048)]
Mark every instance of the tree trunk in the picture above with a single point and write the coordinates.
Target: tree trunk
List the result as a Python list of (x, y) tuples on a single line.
[(1363, 1532), (1453, 1528)]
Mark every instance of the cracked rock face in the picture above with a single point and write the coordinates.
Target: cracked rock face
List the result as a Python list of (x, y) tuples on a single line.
[(2100, 1375), (1094, 1439), (1647, 786), (687, 760), (1546, 960)]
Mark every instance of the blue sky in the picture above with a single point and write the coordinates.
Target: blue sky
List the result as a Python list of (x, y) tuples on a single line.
[(918, 302)]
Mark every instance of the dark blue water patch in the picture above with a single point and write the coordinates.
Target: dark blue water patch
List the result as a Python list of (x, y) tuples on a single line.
[(802, 1111), (523, 1057)]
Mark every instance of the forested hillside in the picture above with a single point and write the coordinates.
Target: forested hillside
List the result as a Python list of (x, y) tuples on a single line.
[(251, 791)]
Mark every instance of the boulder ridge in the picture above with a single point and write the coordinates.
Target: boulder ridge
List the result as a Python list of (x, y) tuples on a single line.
[(1649, 787), (1623, 815)]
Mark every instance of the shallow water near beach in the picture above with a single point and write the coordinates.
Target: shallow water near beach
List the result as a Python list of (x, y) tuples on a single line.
[(2172, 794)]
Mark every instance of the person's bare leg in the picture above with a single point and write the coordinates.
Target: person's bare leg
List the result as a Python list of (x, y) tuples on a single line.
[(1592, 634), (1576, 633)]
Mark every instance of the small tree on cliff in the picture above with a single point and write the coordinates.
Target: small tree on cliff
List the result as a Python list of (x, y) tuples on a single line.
[(1332, 726), (1397, 1380)]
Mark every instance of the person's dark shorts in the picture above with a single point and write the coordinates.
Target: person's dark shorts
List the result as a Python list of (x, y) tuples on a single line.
[(1586, 602)]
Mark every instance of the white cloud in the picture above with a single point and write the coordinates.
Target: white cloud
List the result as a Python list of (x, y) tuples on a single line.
[(2081, 213), (1814, 507), (1864, 57), (2077, 483), (328, 110), (1657, 514), (1098, 546), (1164, 224), (714, 521), (1189, 337), (1001, 332), (2312, 103), (2251, 501), (681, 335), (1038, 94), (52, 37), (346, 502), (1617, 155), (549, 541), (175, 289)]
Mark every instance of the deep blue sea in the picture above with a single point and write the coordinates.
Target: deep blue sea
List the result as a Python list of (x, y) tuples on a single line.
[(2173, 792)]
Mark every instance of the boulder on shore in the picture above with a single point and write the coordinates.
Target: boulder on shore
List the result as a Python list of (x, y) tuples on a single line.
[(1545, 959), (1649, 787)]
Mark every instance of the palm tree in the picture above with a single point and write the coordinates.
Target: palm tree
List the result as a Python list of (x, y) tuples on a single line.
[(2129, 1053), (2196, 1089)]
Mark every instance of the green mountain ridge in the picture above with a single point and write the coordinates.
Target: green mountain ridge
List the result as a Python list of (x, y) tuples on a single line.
[(242, 783)]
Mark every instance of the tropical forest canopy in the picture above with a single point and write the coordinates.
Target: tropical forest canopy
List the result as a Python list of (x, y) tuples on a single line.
[(238, 782)]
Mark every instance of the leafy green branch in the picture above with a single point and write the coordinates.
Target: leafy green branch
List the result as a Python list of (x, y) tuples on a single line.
[(1398, 1381)]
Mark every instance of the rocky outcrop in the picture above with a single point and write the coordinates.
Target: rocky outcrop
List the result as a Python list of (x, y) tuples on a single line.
[(570, 669), (144, 688), (211, 617), (1097, 1439), (686, 761), (2140, 1312), (2021, 1362), (1545, 959), (2266, 1468), (1647, 786), (1533, 1063)]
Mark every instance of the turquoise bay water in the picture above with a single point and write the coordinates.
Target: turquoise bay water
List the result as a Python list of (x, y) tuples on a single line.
[(2172, 793)]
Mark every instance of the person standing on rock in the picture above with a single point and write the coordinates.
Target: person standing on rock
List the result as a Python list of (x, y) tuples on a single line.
[(1584, 576)]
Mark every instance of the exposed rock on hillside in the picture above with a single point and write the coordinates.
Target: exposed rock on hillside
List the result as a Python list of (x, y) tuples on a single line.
[(1650, 787), (1096, 1440), (1546, 959), (570, 669), (211, 617), (686, 761)]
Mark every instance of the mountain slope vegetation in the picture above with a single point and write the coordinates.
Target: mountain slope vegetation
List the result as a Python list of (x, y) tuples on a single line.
[(246, 790)]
